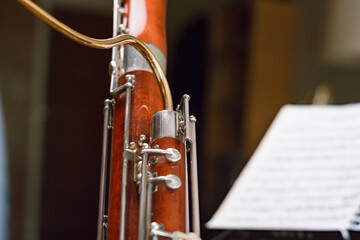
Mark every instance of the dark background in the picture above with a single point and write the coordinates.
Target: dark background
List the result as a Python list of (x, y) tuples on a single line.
[(240, 61)]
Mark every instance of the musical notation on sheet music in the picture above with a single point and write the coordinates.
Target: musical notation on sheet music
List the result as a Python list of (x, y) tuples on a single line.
[(305, 174)]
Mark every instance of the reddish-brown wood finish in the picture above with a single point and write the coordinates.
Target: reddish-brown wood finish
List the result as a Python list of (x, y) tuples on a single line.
[(169, 206), (146, 100), (146, 21)]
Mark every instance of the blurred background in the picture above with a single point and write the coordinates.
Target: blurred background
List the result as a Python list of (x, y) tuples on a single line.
[(240, 61)]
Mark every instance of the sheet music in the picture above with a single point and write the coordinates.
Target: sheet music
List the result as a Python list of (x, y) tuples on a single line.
[(305, 174)]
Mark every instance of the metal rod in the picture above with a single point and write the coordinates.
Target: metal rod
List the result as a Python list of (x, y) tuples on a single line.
[(148, 210), (143, 198), (186, 99), (194, 179), (116, 23), (115, 53), (102, 194), (129, 78), (121, 89)]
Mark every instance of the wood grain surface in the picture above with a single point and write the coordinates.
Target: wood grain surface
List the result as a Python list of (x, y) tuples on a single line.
[(169, 206), (146, 20), (146, 100)]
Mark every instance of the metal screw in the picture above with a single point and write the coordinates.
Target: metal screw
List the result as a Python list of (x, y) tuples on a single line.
[(123, 29), (138, 167), (105, 221), (109, 101), (132, 146), (138, 177), (130, 79), (193, 119), (142, 139), (112, 67), (157, 226), (154, 161), (121, 10)]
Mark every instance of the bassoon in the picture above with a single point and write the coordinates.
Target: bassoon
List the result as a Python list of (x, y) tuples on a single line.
[(151, 148)]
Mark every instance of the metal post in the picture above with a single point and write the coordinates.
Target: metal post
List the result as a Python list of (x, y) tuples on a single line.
[(194, 179), (129, 78), (143, 198), (102, 194), (150, 190)]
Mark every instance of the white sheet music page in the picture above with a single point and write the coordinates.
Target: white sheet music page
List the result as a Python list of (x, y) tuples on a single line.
[(305, 174)]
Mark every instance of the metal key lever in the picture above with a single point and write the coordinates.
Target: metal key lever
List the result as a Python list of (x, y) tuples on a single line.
[(173, 182), (171, 154), (147, 182)]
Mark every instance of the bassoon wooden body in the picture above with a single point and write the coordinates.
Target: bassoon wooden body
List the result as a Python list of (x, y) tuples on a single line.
[(151, 148)]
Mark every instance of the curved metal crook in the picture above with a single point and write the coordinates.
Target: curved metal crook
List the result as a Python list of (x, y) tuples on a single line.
[(107, 44)]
